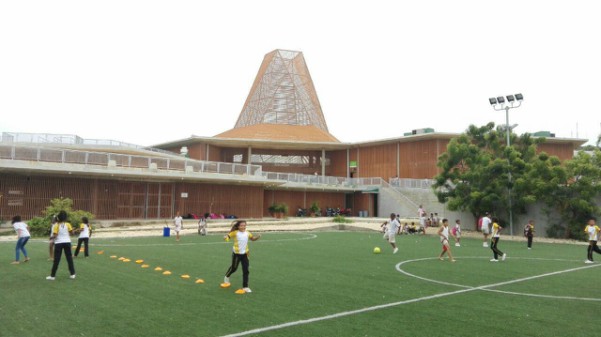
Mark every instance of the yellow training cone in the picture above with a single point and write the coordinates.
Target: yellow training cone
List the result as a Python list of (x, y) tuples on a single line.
[(113, 256), (167, 272), (126, 260), (225, 285), (240, 292), (139, 261), (158, 268), (121, 258), (186, 276), (199, 281), (145, 266), (100, 252)]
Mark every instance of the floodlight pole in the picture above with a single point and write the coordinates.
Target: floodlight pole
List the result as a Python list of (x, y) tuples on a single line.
[(499, 104)]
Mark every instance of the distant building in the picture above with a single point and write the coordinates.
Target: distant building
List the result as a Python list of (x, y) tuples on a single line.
[(278, 143)]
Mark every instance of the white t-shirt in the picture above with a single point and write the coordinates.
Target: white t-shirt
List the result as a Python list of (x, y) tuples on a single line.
[(85, 231), (178, 222), (240, 241), (593, 232), (486, 223), (393, 226), (23, 227), (62, 231)]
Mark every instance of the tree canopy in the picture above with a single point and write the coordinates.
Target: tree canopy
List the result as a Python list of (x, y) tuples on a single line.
[(480, 173)]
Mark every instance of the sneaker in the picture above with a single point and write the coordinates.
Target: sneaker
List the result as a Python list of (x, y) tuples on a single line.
[(395, 250), (588, 261), (15, 262), (72, 277), (457, 245), (494, 260), (529, 248), (247, 290), (226, 279), (27, 259), (485, 245), (50, 278), (504, 257)]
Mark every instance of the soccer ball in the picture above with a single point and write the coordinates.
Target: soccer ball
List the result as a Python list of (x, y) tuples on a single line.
[(377, 250)]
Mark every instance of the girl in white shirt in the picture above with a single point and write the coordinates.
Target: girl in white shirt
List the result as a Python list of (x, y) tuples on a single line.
[(85, 231), (23, 236), (62, 242)]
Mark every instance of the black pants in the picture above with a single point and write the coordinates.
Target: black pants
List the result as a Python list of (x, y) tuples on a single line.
[(236, 260), (529, 240), (493, 245), (85, 244), (592, 246), (58, 249)]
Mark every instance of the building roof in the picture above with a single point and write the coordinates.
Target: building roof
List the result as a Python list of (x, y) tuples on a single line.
[(298, 133)]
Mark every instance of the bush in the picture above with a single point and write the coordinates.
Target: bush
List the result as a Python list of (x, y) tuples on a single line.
[(342, 219), (40, 226)]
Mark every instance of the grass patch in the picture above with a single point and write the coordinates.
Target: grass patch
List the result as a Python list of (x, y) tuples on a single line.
[(300, 276)]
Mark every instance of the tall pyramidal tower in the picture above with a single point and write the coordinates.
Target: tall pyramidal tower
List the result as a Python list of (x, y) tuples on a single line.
[(282, 103)]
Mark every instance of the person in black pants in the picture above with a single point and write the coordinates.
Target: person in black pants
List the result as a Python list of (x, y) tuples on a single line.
[(494, 241), (85, 232), (529, 232), (62, 242)]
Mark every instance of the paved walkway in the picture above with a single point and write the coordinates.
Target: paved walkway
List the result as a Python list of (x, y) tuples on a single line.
[(136, 228)]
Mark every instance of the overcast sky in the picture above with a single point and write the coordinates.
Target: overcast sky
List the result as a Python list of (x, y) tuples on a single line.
[(147, 72)]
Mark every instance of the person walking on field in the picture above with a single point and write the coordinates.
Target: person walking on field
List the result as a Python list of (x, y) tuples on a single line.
[(456, 231), (22, 237), (391, 228), (239, 253), (443, 233), (178, 222), (592, 231), (529, 232), (496, 229), (85, 232), (485, 229), (62, 242)]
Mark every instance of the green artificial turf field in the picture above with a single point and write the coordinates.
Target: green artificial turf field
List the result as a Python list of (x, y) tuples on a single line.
[(304, 284)]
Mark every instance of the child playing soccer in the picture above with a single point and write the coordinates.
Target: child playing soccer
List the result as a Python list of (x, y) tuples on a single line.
[(443, 232), (239, 253), (456, 231)]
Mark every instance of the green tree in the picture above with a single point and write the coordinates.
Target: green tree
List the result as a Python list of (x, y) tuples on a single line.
[(40, 226), (478, 171), (570, 189)]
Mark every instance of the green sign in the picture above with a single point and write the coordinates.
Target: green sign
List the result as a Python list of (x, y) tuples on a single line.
[(352, 163)]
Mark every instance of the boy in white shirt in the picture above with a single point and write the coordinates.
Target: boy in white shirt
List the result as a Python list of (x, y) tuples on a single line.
[(392, 225)]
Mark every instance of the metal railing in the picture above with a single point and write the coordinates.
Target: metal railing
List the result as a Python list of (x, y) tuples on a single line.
[(411, 183), (41, 154), (51, 138), (115, 160)]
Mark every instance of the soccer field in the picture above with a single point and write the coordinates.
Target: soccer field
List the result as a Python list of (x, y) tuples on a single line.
[(304, 284)]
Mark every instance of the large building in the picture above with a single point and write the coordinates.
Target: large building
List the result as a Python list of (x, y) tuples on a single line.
[(279, 151)]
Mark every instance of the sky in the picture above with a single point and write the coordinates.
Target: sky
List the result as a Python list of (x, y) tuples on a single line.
[(148, 72)]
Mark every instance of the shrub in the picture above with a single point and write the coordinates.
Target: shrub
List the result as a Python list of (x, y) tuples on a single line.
[(40, 226), (342, 219)]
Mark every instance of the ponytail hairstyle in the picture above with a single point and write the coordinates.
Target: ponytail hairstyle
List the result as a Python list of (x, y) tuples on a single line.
[(236, 225), (84, 220)]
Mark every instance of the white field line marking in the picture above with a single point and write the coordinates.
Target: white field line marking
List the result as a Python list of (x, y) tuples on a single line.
[(496, 290), (388, 305)]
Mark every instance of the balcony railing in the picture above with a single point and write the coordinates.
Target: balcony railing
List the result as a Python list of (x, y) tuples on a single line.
[(184, 165)]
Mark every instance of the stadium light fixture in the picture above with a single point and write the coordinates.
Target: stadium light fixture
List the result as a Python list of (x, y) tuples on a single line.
[(499, 103)]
